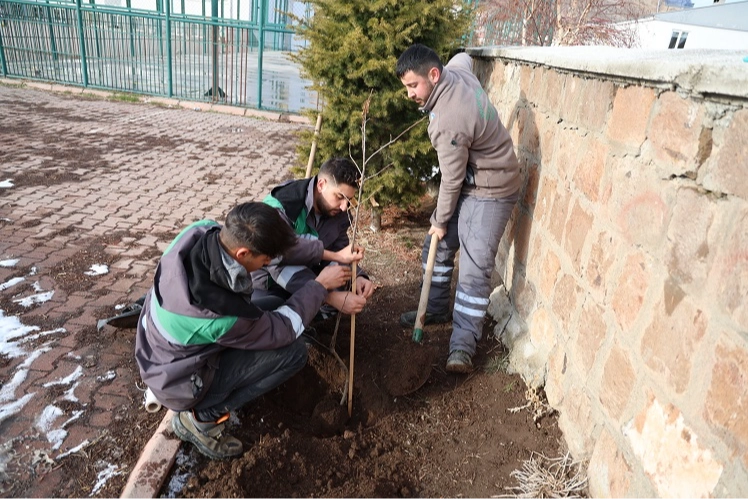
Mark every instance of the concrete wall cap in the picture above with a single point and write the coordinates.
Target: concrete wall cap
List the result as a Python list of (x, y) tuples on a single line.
[(715, 72)]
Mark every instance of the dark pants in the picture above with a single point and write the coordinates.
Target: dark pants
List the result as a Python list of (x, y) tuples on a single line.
[(244, 375)]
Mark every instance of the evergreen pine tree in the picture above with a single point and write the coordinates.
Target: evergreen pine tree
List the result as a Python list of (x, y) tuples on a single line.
[(352, 52)]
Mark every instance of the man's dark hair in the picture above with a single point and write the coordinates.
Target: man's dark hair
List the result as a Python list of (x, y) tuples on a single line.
[(419, 59), (258, 227), (341, 170)]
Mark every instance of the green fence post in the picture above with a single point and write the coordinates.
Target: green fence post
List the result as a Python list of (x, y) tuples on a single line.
[(168, 49), (2, 55), (82, 41), (263, 16), (214, 21)]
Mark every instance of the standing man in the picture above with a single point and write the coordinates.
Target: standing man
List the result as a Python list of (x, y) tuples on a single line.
[(317, 209), (480, 184), (202, 346)]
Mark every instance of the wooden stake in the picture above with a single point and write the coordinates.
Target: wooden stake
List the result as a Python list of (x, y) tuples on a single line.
[(317, 129), (354, 269)]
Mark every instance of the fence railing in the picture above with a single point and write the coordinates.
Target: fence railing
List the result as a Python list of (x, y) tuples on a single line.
[(154, 52)]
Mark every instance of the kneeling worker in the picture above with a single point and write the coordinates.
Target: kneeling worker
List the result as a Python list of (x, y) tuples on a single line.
[(202, 346)]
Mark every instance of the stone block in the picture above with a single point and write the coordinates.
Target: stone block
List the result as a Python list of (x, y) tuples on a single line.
[(632, 108), (592, 332), (609, 472), (522, 234), (565, 300), (576, 421), (617, 382), (726, 171), (689, 254), (672, 339), (569, 147), (559, 214), (669, 451), (728, 277), (556, 376), (598, 96), (544, 203), (675, 133), (528, 138), (633, 283), (603, 254), (578, 226), (549, 273), (590, 168), (727, 400)]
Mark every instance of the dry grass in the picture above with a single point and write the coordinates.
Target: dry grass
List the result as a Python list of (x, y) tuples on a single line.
[(542, 476)]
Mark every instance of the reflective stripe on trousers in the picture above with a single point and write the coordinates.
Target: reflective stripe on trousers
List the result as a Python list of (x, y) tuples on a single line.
[(475, 229)]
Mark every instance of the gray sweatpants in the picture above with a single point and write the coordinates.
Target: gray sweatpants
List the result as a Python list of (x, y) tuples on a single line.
[(475, 228)]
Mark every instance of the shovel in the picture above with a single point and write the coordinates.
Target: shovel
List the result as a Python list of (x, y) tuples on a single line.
[(425, 288)]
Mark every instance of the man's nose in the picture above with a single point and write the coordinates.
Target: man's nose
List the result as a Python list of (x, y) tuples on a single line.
[(344, 205), (411, 94)]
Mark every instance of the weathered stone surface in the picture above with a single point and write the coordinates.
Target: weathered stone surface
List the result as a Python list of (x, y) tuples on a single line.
[(577, 421), (577, 228), (592, 331), (726, 172), (603, 254), (727, 400), (688, 238), (618, 380), (631, 289), (609, 473), (590, 170), (728, 278), (631, 110), (670, 453), (598, 95), (674, 133), (671, 340), (565, 300), (549, 273), (557, 373)]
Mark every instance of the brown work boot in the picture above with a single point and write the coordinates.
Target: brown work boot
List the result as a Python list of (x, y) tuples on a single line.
[(459, 362), (207, 437)]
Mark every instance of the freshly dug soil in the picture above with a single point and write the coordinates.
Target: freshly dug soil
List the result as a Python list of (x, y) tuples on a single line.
[(453, 436)]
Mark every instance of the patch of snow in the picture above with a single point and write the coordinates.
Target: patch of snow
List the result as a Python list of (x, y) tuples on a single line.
[(5, 184), (98, 269), (76, 415), (110, 375), (70, 394), (33, 271), (120, 306), (11, 283), (4, 219), (103, 476), (9, 263), (183, 468), (41, 334), (48, 417), (73, 450), (11, 329), (37, 287), (70, 378), (56, 437), (38, 298)]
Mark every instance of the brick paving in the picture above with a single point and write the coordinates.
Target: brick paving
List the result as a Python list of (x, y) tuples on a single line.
[(124, 178)]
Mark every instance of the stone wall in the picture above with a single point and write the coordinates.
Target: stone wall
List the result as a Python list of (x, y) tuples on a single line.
[(626, 261)]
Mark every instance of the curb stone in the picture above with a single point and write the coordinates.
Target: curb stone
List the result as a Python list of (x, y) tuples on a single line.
[(158, 456)]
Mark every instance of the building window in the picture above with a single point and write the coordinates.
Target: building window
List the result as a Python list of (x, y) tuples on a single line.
[(678, 39)]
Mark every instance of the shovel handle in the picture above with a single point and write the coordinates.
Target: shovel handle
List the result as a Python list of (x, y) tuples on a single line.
[(425, 288)]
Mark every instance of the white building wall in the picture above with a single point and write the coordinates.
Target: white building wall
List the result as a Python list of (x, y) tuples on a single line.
[(654, 34)]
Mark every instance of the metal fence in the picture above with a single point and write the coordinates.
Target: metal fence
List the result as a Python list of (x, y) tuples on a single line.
[(241, 60)]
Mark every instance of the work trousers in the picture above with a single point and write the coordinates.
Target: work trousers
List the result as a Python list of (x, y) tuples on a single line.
[(475, 229), (244, 375)]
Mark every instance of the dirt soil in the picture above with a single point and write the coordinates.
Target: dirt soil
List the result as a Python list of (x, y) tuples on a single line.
[(455, 436)]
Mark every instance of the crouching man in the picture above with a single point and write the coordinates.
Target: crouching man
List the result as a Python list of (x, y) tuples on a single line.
[(202, 346)]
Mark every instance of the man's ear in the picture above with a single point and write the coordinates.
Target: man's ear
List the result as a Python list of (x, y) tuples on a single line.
[(434, 75), (321, 183), (241, 253)]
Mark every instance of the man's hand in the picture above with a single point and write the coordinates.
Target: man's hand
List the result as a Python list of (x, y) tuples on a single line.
[(334, 276), (364, 287), (440, 233), (346, 256), (346, 302)]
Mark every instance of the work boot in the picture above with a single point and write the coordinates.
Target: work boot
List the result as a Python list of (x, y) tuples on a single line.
[(459, 361), (207, 437), (408, 319)]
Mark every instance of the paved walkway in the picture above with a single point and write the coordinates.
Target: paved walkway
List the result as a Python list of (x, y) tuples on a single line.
[(90, 185)]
